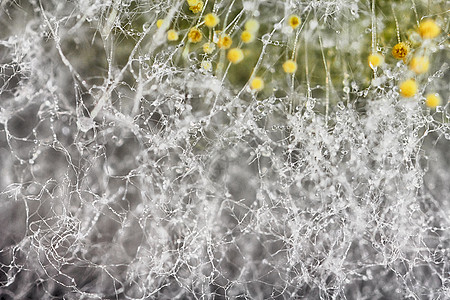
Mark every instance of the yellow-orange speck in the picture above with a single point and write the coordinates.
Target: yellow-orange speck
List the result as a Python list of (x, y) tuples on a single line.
[(290, 66), (433, 100), (400, 50), (419, 64), (235, 55), (159, 23), (408, 88), (247, 37), (428, 29), (294, 21), (211, 20), (257, 84), (224, 42), (375, 60), (194, 35), (172, 35)]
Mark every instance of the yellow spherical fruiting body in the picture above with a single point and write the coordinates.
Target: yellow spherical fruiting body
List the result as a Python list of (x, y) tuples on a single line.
[(224, 42), (193, 2), (419, 64), (433, 100), (408, 88), (290, 66), (194, 35), (211, 20), (375, 60), (159, 23), (197, 7), (428, 29), (209, 48), (235, 55), (252, 25), (257, 84), (294, 21), (247, 36), (400, 50), (172, 35)]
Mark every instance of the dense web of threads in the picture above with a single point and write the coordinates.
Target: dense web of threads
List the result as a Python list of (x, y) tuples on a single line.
[(195, 149)]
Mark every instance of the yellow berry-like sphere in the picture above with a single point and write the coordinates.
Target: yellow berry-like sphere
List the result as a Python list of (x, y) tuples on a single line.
[(420, 64), (290, 66), (252, 25), (194, 35), (224, 42), (408, 88), (247, 36), (196, 8), (172, 35), (235, 55), (294, 21), (211, 20), (159, 23), (400, 50), (257, 84), (193, 2), (209, 48), (375, 60), (433, 100), (428, 29)]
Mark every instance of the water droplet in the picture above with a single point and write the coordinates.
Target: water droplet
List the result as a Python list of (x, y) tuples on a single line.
[(65, 130)]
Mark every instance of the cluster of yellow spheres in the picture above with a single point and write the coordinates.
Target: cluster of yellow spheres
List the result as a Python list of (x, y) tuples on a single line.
[(251, 29), (224, 41), (419, 64)]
